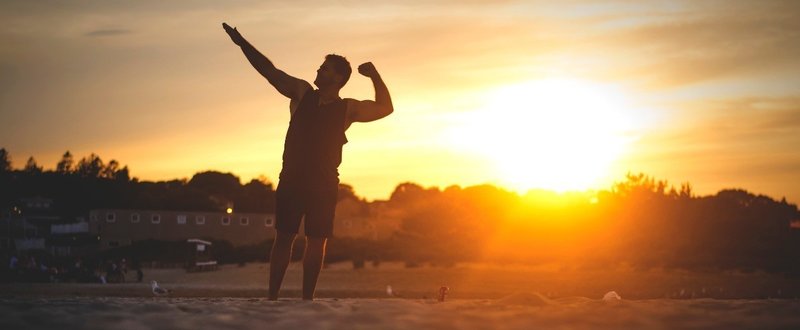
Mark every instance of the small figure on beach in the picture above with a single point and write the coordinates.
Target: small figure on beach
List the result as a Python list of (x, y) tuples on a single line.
[(443, 290), (123, 269), (13, 262), (137, 266), (309, 180), (114, 272), (32, 264)]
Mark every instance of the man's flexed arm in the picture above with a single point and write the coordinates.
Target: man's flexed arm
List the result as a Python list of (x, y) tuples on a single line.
[(287, 85), (366, 111)]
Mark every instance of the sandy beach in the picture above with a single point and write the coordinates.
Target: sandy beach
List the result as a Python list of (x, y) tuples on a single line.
[(480, 297), (520, 311)]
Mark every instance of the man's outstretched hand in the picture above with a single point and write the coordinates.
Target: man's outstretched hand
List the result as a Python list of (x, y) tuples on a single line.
[(234, 34), (368, 70)]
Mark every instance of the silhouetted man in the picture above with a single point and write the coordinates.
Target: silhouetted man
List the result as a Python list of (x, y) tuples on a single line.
[(309, 180)]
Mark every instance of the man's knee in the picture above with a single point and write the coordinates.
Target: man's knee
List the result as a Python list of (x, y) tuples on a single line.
[(284, 240), (316, 243)]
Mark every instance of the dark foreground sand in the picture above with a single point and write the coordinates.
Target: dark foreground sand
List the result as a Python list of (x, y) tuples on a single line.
[(518, 311), (480, 298)]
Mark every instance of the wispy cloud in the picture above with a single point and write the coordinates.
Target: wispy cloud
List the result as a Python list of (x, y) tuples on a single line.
[(705, 45), (107, 32), (743, 140)]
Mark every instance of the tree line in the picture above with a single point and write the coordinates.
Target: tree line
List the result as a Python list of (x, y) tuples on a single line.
[(90, 183), (639, 221)]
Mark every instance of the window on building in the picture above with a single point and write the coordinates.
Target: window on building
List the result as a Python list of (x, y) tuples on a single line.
[(269, 222), (93, 217), (226, 221), (155, 218), (200, 220), (244, 221), (181, 219), (113, 243), (135, 218), (111, 217)]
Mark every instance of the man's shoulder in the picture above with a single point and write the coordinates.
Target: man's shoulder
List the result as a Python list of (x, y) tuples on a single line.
[(351, 102), (308, 92)]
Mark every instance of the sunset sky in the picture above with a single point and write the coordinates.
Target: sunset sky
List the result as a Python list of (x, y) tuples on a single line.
[(557, 95)]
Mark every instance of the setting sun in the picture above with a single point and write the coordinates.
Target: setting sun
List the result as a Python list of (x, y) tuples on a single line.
[(558, 134)]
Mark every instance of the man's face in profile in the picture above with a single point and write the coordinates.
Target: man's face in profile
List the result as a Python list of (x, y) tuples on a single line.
[(327, 76)]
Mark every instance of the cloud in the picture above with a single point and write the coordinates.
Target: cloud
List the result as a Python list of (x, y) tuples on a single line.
[(107, 32), (696, 46), (744, 138), (758, 116)]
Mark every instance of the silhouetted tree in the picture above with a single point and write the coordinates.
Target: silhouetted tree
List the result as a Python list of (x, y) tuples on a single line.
[(346, 191), (5, 160), (31, 167), (66, 163), (256, 196), (90, 167), (217, 183), (122, 174), (110, 170)]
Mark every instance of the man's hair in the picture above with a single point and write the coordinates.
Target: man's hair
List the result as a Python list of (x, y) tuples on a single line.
[(341, 65)]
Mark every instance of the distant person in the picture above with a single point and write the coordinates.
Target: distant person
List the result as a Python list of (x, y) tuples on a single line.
[(312, 153), (137, 266), (13, 262), (123, 269), (32, 264)]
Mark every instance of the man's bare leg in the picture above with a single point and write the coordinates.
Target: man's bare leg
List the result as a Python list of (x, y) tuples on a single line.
[(312, 264), (279, 259)]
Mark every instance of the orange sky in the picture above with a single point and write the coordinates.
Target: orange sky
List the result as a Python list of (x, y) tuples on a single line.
[(688, 91)]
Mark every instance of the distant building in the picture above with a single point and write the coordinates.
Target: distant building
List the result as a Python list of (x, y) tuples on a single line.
[(33, 225), (68, 239), (27, 225), (120, 227), (115, 227), (38, 215)]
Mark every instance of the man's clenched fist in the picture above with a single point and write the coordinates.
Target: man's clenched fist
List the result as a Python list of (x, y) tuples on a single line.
[(368, 70)]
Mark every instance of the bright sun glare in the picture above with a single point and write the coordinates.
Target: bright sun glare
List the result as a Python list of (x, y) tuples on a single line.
[(556, 134)]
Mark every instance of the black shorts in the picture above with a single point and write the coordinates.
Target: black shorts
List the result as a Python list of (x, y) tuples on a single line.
[(318, 205)]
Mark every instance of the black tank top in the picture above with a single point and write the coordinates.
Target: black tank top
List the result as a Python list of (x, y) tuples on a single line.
[(313, 148)]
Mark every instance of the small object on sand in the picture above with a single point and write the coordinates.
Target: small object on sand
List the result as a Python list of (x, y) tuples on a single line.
[(612, 297), (157, 290), (391, 292), (443, 292)]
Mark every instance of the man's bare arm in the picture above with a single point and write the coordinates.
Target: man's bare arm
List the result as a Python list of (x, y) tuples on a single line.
[(366, 111), (287, 85)]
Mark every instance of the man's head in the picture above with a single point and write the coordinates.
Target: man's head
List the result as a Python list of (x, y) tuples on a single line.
[(334, 72)]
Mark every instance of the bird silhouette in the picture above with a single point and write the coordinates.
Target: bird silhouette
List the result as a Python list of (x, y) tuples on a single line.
[(157, 290)]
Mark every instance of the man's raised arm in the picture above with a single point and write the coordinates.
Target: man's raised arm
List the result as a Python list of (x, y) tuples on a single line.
[(366, 111), (287, 85)]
